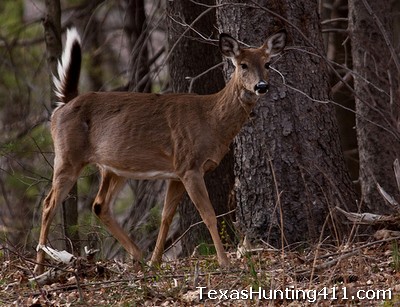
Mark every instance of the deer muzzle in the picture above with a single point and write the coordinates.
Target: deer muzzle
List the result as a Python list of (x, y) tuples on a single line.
[(261, 87)]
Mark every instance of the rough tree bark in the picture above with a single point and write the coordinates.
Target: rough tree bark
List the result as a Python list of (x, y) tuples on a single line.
[(376, 84), (192, 56), (52, 33), (289, 166)]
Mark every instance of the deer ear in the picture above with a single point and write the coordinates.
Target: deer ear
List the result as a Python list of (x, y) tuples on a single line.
[(228, 45), (275, 43)]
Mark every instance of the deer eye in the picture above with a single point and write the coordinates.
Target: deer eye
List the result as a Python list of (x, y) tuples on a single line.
[(244, 66), (266, 65)]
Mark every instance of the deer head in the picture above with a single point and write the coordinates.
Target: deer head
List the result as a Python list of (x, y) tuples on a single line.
[(252, 64)]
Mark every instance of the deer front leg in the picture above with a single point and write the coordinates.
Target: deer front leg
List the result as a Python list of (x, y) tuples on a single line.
[(173, 196), (196, 188), (110, 186)]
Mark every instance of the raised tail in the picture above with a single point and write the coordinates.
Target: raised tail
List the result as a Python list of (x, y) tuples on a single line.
[(69, 69)]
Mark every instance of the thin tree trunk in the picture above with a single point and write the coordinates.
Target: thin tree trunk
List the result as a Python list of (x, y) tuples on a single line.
[(289, 167), (52, 29), (335, 12), (376, 84), (52, 35), (136, 29)]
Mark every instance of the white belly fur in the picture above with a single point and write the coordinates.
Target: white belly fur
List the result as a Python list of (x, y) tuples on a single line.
[(140, 175)]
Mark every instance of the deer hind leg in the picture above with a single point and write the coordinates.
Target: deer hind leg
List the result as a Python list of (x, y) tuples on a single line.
[(111, 184), (196, 188), (172, 198), (64, 178)]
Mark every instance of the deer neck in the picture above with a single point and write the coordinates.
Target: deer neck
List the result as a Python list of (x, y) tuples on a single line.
[(232, 109)]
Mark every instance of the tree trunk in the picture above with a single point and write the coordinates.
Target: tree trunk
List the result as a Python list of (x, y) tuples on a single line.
[(136, 29), (289, 167), (376, 84), (52, 36), (52, 29), (334, 14), (192, 56)]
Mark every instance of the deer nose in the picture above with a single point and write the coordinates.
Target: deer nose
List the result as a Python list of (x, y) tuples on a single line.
[(261, 87)]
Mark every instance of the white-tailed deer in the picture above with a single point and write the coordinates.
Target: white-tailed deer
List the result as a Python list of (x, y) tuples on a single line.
[(178, 137)]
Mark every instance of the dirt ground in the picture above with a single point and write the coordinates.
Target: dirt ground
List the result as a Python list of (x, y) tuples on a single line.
[(363, 274)]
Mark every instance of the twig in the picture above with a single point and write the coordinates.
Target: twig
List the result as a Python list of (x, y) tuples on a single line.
[(192, 79), (184, 32), (193, 225), (358, 248), (333, 20), (326, 265), (347, 77), (366, 218)]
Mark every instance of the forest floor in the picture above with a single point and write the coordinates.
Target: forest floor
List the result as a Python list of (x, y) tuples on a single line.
[(363, 274)]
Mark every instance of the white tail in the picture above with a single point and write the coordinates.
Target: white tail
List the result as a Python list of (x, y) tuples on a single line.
[(68, 69), (178, 137)]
